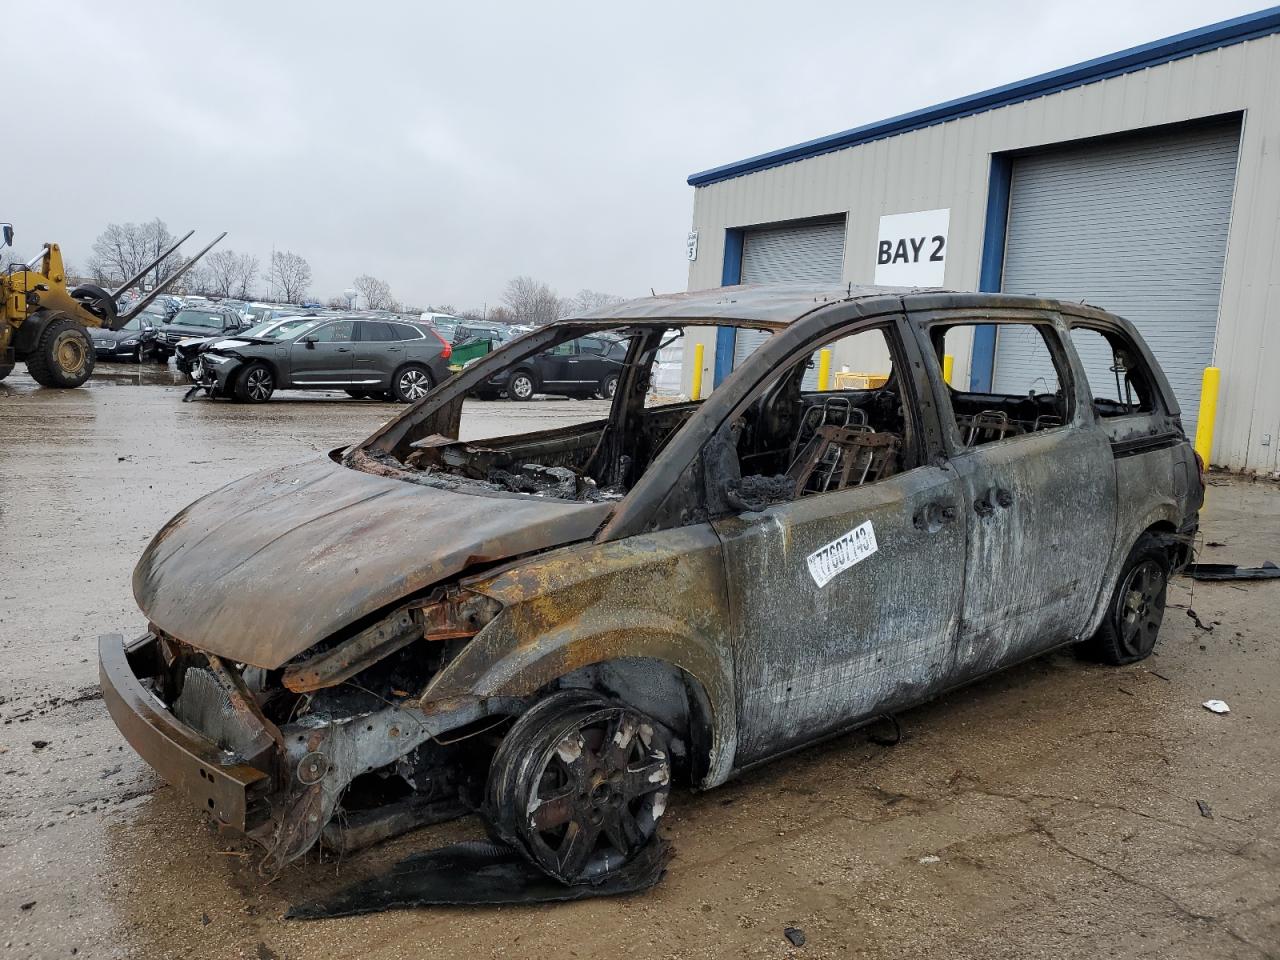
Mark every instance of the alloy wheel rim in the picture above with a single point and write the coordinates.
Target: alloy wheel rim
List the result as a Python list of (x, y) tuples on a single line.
[(259, 384), (414, 384), (522, 387), (596, 795), (1142, 607)]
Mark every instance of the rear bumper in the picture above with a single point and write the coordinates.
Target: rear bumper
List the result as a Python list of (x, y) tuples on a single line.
[(217, 782)]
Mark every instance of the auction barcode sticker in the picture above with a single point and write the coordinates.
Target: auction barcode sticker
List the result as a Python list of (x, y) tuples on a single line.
[(839, 555)]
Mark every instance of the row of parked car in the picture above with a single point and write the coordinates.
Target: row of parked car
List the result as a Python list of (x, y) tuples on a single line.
[(249, 351)]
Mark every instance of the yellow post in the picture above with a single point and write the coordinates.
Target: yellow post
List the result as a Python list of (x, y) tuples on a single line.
[(948, 367), (1208, 413), (824, 369), (695, 391)]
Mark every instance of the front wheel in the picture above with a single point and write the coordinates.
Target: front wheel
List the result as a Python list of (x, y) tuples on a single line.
[(1132, 622), (520, 386), (64, 354), (256, 384), (411, 384), (578, 784)]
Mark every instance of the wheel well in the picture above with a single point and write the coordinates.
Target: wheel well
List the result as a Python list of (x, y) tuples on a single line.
[(28, 334), (663, 691), (533, 374), (1177, 547)]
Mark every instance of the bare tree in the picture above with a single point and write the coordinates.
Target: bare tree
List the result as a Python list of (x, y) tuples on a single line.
[(338, 303), (496, 315), (291, 274), (532, 301), (588, 301), (376, 293), (231, 274), (123, 249)]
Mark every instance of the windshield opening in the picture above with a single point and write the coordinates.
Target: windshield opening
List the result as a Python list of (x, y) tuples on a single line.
[(635, 401)]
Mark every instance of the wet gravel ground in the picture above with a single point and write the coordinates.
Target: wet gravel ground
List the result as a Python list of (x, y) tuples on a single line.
[(1048, 812)]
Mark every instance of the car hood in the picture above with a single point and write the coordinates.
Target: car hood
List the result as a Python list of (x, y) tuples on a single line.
[(265, 567)]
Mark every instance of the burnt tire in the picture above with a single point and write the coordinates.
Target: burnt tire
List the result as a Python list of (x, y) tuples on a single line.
[(520, 386), (579, 784), (64, 354), (411, 383), (255, 384), (1136, 609)]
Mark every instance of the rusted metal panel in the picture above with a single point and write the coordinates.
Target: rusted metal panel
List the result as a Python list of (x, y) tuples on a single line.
[(218, 784), (660, 595), (320, 546)]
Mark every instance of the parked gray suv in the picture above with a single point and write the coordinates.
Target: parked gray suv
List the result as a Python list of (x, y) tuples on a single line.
[(367, 358)]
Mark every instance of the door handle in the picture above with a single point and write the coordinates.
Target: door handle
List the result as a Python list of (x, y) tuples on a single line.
[(986, 505), (344, 350), (934, 515)]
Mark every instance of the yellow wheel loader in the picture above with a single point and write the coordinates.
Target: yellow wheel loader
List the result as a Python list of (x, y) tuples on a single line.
[(45, 325)]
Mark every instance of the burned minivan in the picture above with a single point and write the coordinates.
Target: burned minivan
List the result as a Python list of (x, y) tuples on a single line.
[(555, 628)]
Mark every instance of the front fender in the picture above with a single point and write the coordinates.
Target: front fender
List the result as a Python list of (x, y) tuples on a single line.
[(657, 596)]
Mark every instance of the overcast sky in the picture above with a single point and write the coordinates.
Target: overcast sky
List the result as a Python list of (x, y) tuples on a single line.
[(447, 150)]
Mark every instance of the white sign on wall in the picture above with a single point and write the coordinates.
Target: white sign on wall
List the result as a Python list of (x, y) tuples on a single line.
[(691, 245), (912, 248)]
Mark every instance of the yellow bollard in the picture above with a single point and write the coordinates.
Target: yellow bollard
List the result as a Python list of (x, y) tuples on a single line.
[(948, 367), (1208, 413), (695, 391), (824, 369)]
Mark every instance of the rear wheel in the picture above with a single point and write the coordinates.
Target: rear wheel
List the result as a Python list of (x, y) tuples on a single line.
[(256, 384), (609, 387), (579, 784), (411, 383), (64, 355), (1132, 623)]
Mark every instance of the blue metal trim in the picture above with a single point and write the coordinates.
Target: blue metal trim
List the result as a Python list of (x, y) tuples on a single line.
[(991, 269), (1224, 34), (730, 274)]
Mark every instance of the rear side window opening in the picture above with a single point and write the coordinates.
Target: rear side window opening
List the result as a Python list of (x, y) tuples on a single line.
[(1119, 380), (1025, 398)]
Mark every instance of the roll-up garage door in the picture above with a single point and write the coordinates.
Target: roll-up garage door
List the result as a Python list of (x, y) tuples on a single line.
[(803, 253), (1137, 227)]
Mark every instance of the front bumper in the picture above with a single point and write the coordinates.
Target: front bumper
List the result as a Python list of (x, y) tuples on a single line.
[(215, 780)]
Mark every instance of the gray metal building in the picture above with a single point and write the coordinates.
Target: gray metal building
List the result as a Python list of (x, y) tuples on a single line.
[(1146, 182)]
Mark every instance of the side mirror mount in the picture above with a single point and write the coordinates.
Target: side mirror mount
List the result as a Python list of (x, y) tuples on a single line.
[(309, 341)]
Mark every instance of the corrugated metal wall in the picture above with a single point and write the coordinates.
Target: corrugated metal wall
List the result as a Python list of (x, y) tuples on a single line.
[(794, 253), (948, 165), (1139, 224)]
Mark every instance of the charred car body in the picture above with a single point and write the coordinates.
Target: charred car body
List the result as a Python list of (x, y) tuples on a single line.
[(552, 628)]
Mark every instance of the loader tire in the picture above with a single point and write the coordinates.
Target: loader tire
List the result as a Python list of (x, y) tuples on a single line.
[(63, 356), (5, 370)]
